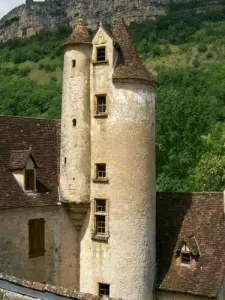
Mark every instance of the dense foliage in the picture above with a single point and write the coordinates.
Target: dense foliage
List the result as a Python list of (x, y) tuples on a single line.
[(187, 51)]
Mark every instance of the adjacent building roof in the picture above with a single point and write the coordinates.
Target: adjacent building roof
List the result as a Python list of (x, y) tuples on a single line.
[(80, 34), (36, 290), (17, 136), (198, 215), (131, 67)]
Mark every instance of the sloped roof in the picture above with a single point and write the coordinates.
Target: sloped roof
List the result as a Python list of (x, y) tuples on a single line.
[(19, 158), (43, 136), (181, 215), (131, 67), (80, 34)]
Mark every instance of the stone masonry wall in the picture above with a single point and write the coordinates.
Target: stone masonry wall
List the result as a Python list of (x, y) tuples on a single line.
[(59, 265)]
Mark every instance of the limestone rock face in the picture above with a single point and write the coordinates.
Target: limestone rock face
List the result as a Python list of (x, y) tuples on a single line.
[(27, 19)]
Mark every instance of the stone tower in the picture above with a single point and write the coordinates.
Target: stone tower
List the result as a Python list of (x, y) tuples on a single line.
[(75, 158), (108, 158)]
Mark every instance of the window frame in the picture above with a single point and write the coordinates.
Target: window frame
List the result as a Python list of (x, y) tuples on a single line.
[(101, 214), (26, 186), (103, 286), (36, 237), (97, 54)]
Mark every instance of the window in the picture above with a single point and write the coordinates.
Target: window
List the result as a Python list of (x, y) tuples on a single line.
[(74, 122), (36, 237), (100, 53), (73, 63), (101, 104), (29, 179), (100, 216), (185, 258), (104, 289), (100, 171)]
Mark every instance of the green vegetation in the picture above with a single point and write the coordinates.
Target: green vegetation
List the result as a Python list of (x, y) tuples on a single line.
[(186, 50)]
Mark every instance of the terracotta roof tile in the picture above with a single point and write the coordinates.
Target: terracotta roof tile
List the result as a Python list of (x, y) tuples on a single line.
[(131, 66), (199, 215), (43, 136), (80, 34)]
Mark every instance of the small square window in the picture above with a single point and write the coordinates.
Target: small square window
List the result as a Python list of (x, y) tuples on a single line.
[(186, 258), (100, 171), (101, 104), (73, 63), (104, 289), (29, 179), (100, 205), (100, 53)]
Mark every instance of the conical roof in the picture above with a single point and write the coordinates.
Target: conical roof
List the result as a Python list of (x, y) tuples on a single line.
[(80, 35), (131, 67)]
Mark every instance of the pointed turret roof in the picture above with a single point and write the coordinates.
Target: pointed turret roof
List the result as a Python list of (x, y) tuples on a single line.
[(80, 35), (131, 67)]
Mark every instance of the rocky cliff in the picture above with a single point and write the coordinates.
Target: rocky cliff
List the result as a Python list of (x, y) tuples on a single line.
[(29, 18)]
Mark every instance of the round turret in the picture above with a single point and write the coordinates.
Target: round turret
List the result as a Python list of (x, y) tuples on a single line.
[(75, 124)]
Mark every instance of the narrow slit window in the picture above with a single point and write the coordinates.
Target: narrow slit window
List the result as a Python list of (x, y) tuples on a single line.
[(74, 122), (100, 53), (101, 104), (29, 180), (73, 63), (100, 171), (104, 289)]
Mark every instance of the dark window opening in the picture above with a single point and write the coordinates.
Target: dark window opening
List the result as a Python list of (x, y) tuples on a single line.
[(73, 63), (101, 54), (74, 122), (29, 180), (104, 289), (100, 224), (36, 237), (100, 205), (185, 258), (101, 104), (65, 160), (101, 171)]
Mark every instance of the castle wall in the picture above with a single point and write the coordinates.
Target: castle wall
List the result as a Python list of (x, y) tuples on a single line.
[(75, 125), (59, 265), (125, 142)]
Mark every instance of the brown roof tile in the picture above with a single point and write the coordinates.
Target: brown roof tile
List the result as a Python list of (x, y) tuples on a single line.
[(19, 158), (80, 34), (198, 215), (131, 66), (43, 136)]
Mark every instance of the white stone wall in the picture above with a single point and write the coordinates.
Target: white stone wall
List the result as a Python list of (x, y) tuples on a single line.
[(75, 140), (59, 265), (125, 142)]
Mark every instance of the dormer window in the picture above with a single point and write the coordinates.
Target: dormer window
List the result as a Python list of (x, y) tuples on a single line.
[(100, 54), (23, 166), (187, 251)]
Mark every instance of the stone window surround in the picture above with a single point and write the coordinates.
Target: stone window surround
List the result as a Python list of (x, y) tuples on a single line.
[(97, 178), (100, 114), (98, 236), (95, 61)]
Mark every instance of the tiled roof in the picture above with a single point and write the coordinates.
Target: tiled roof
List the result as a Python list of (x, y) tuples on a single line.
[(131, 66), (80, 34), (43, 137), (198, 215), (56, 290), (19, 158)]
